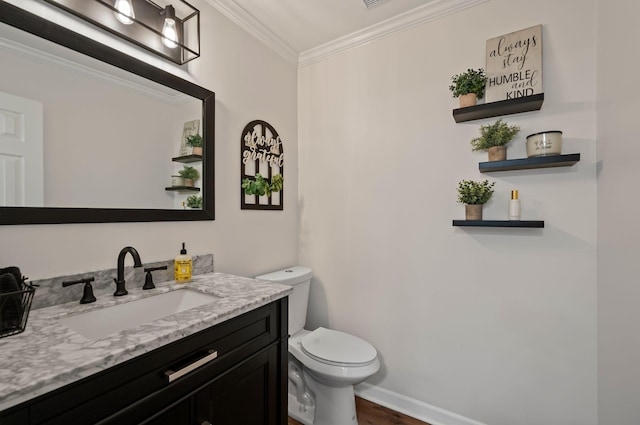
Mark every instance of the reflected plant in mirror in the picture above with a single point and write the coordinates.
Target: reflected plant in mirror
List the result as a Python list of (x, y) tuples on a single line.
[(196, 142), (194, 202), (189, 174)]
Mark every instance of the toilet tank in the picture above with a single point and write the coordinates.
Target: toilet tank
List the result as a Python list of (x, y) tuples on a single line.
[(299, 278)]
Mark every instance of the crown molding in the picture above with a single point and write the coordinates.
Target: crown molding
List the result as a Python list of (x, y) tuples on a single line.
[(245, 20), (431, 11), (434, 9)]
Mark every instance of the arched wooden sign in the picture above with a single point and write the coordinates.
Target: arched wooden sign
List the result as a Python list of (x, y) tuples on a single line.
[(262, 167)]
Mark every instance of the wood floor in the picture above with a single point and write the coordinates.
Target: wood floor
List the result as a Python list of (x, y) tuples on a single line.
[(373, 414)]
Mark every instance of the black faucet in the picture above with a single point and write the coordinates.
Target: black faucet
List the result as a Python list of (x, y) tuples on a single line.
[(120, 289)]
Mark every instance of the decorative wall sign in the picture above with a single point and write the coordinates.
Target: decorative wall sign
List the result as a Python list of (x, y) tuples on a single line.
[(262, 167), (514, 65), (189, 129)]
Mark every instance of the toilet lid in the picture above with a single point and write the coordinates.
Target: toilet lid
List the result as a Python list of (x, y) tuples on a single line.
[(327, 345)]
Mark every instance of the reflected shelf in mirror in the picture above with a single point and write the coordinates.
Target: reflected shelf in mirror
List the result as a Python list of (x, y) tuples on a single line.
[(183, 188), (187, 158)]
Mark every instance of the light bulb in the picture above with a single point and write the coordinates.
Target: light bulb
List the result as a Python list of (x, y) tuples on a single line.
[(169, 33), (125, 11)]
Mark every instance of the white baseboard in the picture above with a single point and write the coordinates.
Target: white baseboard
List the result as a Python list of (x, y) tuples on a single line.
[(411, 407)]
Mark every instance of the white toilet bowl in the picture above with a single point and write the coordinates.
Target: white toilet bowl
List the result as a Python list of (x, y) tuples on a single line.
[(324, 364), (332, 363)]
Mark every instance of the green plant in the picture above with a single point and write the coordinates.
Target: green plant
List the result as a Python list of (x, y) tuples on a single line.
[(472, 192), (496, 134), (261, 186), (471, 81), (194, 140), (277, 183), (189, 173), (194, 201)]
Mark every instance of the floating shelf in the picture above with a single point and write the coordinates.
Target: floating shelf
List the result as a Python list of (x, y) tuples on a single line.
[(183, 189), (530, 163), (500, 223), (502, 107), (187, 158)]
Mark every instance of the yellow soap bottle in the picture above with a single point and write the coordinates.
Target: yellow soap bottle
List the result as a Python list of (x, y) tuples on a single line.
[(183, 266)]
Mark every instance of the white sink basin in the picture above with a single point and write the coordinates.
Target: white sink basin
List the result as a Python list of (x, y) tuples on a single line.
[(99, 323)]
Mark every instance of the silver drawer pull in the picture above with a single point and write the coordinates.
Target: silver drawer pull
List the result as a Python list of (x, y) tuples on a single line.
[(172, 376)]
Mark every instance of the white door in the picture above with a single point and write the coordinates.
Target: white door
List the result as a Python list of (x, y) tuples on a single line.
[(21, 157)]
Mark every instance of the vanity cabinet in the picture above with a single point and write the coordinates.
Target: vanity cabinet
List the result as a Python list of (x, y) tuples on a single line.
[(243, 382)]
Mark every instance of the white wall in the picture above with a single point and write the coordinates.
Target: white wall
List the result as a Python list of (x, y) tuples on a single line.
[(497, 325), (251, 82), (618, 227)]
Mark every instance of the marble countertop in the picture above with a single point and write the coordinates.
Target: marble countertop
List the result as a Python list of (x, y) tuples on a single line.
[(49, 355)]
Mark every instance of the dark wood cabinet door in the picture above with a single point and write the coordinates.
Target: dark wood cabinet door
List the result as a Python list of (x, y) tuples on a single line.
[(179, 414), (20, 417), (246, 395)]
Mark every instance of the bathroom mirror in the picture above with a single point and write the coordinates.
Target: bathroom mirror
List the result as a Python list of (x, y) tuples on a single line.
[(115, 131)]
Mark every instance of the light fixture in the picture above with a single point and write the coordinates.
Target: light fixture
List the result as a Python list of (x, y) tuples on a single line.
[(168, 28), (169, 33), (125, 13)]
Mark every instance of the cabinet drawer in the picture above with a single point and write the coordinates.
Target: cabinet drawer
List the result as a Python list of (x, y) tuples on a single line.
[(245, 394), (101, 395)]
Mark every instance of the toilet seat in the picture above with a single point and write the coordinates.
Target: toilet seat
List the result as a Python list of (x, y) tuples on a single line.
[(338, 348)]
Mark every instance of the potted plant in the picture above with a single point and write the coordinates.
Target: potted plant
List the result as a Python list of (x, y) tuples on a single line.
[(194, 202), (196, 142), (261, 186), (468, 86), (493, 138), (189, 174), (474, 195)]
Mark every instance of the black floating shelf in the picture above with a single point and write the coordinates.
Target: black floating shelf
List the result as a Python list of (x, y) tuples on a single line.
[(529, 163), (500, 223), (187, 158), (183, 189), (502, 107)]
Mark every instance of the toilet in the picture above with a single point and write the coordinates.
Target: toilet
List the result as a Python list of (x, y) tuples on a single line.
[(324, 364)]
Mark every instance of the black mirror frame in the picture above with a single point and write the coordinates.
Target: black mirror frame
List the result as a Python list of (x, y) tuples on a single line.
[(26, 21)]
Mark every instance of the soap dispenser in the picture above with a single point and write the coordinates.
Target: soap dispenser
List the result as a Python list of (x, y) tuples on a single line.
[(183, 266)]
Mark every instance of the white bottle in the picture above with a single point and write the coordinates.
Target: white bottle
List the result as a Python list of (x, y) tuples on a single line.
[(514, 206)]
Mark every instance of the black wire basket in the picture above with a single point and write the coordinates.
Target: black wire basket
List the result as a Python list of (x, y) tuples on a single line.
[(14, 310)]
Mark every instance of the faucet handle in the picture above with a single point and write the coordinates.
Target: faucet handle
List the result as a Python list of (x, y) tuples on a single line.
[(87, 294), (148, 280)]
